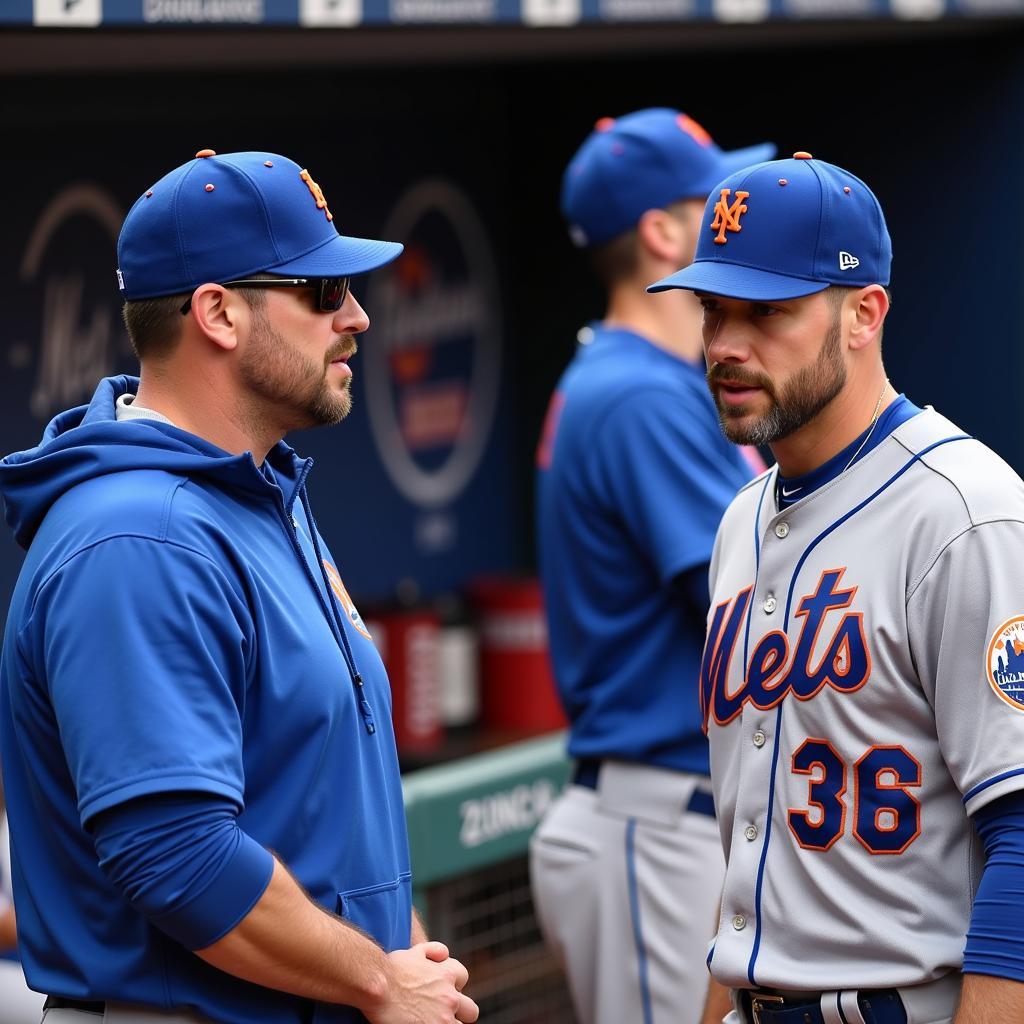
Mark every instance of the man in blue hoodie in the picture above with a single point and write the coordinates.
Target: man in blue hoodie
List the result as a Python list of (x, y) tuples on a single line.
[(186, 685)]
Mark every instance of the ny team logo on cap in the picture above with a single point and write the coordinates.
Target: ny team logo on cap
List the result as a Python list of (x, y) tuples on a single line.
[(1004, 662), (727, 215), (318, 193)]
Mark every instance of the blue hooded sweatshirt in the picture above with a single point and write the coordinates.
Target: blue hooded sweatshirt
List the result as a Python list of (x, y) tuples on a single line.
[(179, 626)]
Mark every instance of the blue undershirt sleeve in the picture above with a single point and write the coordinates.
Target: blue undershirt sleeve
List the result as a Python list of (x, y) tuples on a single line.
[(182, 861), (995, 939)]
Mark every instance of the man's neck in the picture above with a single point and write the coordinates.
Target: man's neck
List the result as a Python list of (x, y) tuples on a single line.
[(209, 412), (844, 419), (671, 320)]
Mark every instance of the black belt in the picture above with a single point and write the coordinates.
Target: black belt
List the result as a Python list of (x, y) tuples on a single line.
[(85, 1005), (878, 1006), (588, 770)]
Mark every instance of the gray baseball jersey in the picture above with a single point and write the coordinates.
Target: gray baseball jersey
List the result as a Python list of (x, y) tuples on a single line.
[(863, 688)]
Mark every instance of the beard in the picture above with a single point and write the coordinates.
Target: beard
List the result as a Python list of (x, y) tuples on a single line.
[(295, 384), (793, 406)]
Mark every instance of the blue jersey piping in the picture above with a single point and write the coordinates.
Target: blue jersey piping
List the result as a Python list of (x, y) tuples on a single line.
[(757, 570), (857, 508), (638, 934), (764, 849), (982, 786)]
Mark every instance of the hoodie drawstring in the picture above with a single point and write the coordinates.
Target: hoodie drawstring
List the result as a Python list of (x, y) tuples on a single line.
[(350, 661)]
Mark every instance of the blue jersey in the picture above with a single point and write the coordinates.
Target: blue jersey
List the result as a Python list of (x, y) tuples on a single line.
[(633, 477), (180, 626)]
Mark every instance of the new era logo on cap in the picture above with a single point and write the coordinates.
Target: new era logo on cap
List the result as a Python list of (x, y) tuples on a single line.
[(785, 229)]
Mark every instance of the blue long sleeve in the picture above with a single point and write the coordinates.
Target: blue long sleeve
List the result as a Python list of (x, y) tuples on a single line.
[(182, 861), (995, 939)]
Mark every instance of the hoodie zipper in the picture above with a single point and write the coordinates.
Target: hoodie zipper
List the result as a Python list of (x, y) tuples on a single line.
[(329, 606)]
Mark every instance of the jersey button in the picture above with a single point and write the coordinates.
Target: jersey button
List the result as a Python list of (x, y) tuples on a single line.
[(770, 604), (782, 530), (759, 738), (739, 922), (750, 832)]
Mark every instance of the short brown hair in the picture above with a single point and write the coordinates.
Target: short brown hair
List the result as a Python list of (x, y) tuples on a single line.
[(154, 325), (617, 260), (836, 294)]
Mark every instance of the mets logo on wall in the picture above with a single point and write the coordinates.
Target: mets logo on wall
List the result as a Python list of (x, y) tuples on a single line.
[(1005, 662), (77, 337), (432, 367)]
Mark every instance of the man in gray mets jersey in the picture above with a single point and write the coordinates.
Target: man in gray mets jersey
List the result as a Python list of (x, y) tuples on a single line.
[(863, 677)]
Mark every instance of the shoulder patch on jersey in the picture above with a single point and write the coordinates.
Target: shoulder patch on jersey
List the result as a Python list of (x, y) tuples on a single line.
[(1004, 662)]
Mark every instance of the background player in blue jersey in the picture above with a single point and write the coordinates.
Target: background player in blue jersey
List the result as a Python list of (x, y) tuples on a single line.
[(186, 686), (633, 478), (863, 677)]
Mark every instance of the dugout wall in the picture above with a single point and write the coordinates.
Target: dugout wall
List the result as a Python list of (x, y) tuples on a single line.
[(455, 141)]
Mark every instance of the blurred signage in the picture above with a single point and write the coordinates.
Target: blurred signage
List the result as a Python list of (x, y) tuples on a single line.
[(433, 369), (80, 336), (350, 13)]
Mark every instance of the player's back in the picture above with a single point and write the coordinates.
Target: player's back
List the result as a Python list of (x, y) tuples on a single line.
[(633, 475)]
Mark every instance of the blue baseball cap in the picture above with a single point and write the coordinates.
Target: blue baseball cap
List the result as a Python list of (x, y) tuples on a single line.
[(219, 218), (643, 161), (787, 228)]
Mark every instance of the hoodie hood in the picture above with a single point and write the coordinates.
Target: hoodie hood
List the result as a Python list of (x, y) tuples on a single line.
[(88, 441)]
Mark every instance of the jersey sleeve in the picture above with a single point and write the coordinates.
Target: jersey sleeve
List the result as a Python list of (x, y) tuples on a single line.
[(966, 630), (668, 472), (142, 647)]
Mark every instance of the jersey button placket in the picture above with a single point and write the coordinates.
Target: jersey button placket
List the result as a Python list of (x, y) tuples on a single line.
[(770, 604), (782, 530), (750, 833), (759, 739), (739, 922)]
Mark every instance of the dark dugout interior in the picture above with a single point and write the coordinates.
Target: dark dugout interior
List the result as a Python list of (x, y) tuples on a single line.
[(928, 116)]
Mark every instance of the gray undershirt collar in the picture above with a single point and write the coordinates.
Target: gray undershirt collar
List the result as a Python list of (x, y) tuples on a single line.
[(128, 410)]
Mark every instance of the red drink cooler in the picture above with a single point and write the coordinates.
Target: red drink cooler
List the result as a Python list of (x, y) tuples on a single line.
[(515, 670), (408, 645)]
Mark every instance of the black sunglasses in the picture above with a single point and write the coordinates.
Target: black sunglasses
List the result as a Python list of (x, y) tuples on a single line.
[(331, 292)]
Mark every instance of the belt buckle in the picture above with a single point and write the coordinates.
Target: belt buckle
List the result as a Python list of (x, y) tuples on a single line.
[(757, 1004)]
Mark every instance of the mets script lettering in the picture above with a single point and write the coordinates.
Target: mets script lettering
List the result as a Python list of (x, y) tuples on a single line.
[(727, 216), (771, 674)]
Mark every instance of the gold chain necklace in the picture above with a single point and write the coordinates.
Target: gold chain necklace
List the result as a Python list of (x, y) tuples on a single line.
[(871, 426)]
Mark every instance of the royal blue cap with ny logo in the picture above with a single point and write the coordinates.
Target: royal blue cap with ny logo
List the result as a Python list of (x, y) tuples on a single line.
[(787, 228), (219, 218), (641, 161)]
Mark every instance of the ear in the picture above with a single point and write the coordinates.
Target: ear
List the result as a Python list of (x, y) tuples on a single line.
[(662, 235), (218, 313), (869, 307)]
